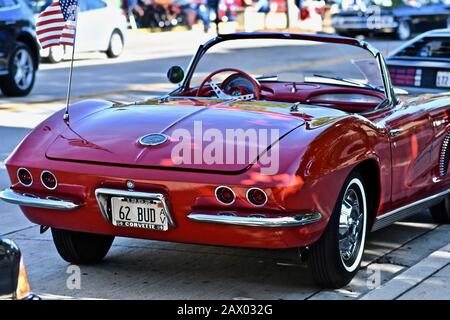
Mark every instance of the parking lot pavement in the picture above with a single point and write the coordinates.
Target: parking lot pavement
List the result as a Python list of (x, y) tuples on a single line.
[(429, 279), (436, 287)]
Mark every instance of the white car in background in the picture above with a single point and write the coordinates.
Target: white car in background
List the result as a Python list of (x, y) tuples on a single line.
[(101, 26)]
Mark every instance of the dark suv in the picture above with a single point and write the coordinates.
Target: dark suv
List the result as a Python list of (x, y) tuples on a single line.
[(19, 50)]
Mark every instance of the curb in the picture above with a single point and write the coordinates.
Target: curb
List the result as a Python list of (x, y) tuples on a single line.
[(412, 277)]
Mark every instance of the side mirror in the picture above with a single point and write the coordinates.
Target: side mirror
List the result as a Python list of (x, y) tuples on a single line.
[(175, 74), (13, 277)]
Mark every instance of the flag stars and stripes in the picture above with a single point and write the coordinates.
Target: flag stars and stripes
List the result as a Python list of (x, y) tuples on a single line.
[(56, 25)]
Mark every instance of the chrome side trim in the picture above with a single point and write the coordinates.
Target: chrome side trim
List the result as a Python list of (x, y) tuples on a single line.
[(30, 200), (408, 210), (102, 195), (257, 220)]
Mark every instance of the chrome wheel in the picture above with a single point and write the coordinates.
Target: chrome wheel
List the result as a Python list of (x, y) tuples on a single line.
[(23, 69), (352, 225)]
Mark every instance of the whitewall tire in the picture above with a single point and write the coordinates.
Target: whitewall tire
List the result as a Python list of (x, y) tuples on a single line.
[(337, 255)]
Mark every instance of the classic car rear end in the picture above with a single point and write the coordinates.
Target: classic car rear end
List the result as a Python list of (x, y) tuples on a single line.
[(308, 155), (88, 178), (422, 64)]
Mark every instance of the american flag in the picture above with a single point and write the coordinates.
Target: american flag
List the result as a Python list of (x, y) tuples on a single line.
[(56, 25)]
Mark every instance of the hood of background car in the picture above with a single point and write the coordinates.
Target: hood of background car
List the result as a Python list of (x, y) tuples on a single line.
[(112, 135)]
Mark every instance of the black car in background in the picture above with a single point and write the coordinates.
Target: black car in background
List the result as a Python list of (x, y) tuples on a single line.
[(19, 50), (401, 18), (422, 64)]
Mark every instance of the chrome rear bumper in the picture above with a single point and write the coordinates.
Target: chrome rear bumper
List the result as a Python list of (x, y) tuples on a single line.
[(32, 200), (253, 220), (257, 220)]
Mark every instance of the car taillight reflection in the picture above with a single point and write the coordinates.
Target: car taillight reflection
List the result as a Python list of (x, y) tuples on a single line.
[(411, 77)]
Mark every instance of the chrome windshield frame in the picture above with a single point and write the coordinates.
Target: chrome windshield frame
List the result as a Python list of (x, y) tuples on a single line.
[(388, 88)]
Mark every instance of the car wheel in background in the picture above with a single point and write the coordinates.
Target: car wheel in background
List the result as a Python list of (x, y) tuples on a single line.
[(335, 258), (81, 248), (403, 31), (441, 211), (22, 72), (55, 54), (116, 45)]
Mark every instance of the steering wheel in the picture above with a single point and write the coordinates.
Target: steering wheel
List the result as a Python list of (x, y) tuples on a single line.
[(256, 87)]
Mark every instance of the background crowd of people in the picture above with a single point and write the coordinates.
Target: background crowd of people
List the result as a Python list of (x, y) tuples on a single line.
[(170, 13)]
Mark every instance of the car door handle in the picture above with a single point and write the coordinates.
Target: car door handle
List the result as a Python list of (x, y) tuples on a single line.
[(395, 132)]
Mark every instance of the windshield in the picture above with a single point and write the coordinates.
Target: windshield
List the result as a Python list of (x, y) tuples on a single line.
[(300, 61)]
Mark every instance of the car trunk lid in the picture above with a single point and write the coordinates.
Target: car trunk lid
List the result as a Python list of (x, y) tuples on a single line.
[(111, 136)]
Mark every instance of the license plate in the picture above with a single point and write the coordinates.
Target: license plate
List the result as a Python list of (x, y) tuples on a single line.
[(139, 213), (443, 79)]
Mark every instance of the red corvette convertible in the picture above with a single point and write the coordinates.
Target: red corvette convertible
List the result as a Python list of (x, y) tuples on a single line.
[(297, 152)]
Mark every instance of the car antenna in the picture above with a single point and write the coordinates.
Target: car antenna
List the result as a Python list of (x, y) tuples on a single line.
[(64, 34), (74, 15)]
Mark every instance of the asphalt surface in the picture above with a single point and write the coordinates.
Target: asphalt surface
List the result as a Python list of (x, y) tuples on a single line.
[(142, 269)]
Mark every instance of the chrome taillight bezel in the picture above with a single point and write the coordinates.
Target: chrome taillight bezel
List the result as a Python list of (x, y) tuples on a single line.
[(54, 176), (220, 201), (254, 204), (20, 181)]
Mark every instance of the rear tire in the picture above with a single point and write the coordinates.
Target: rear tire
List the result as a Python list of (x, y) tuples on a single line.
[(116, 45), (80, 247), (335, 258), (441, 211)]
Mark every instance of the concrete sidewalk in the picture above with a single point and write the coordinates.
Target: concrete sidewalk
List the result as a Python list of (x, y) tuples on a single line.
[(427, 280)]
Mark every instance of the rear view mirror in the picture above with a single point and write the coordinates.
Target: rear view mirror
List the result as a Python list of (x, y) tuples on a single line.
[(13, 277), (175, 74)]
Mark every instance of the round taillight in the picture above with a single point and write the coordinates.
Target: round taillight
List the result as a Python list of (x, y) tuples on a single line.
[(25, 177), (48, 179), (225, 195), (256, 197)]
